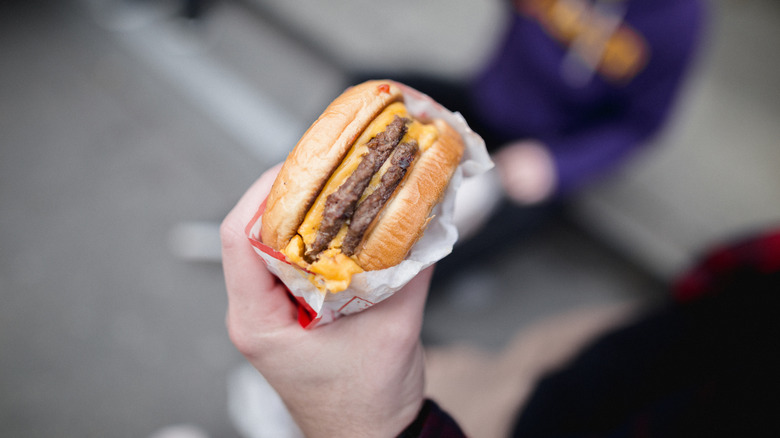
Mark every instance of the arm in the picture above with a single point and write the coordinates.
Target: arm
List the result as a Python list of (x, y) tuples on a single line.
[(535, 170), (603, 127)]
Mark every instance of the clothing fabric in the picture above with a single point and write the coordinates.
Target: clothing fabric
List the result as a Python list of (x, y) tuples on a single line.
[(703, 364), (593, 80), (431, 422)]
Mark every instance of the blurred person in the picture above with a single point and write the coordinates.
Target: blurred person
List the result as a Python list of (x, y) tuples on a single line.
[(573, 89), (702, 364)]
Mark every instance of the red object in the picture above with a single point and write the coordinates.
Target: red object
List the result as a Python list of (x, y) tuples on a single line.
[(307, 317), (761, 254)]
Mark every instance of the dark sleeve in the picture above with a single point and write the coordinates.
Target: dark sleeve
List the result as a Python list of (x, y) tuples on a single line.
[(431, 422), (726, 267), (700, 365)]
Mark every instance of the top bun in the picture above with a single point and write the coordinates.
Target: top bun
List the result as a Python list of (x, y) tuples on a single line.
[(322, 148)]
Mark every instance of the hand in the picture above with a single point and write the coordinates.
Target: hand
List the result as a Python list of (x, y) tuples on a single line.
[(527, 171), (361, 375)]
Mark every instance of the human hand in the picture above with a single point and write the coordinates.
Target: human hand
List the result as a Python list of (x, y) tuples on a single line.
[(527, 171), (361, 375)]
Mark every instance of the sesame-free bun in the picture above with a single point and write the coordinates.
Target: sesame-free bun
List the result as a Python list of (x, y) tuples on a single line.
[(317, 155), (322, 148)]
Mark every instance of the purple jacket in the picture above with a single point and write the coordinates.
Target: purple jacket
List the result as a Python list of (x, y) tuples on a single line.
[(593, 80)]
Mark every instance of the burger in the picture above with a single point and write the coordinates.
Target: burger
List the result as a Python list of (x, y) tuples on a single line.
[(359, 188)]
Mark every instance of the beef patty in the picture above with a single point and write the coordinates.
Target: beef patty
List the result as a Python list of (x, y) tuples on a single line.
[(341, 204), (369, 208)]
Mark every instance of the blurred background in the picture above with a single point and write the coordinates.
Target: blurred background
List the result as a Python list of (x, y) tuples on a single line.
[(129, 126)]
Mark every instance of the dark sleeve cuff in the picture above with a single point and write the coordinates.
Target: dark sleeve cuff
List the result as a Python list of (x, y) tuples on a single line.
[(432, 421)]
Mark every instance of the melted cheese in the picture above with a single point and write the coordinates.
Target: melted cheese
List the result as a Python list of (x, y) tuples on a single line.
[(332, 271), (333, 268)]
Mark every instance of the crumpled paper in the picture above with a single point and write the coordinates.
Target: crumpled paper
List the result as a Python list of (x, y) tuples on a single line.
[(371, 287)]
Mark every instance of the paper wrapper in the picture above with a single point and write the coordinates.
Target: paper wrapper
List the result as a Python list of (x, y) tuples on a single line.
[(371, 287)]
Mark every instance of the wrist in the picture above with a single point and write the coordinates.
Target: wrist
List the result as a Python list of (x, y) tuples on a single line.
[(379, 403), (379, 425)]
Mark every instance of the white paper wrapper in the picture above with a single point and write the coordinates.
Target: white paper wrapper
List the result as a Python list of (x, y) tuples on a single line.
[(371, 287)]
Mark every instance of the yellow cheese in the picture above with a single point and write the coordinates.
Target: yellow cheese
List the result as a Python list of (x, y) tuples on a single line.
[(336, 268)]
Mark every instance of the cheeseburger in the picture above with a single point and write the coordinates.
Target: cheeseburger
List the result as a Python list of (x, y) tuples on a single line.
[(358, 189)]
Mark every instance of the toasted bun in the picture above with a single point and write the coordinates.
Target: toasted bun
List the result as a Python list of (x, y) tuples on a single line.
[(317, 154), (322, 148), (403, 220)]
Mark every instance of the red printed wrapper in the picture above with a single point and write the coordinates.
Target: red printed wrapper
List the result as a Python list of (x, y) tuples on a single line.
[(371, 287)]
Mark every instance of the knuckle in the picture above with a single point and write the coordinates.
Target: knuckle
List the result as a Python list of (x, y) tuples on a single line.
[(241, 338), (230, 234)]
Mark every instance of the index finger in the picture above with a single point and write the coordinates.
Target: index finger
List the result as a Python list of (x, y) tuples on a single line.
[(247, 279), (238, 257)]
